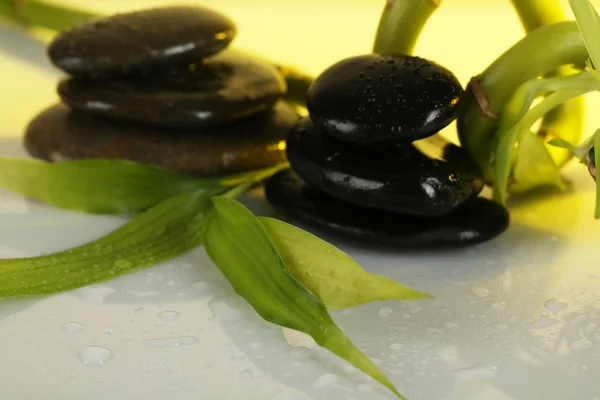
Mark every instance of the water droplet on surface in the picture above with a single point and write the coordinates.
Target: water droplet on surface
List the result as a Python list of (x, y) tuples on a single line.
[(499, 306), (168, 316), (385, 312), (121, 263), (95, 295), (396, 346), (95, 355), (72, 328), (164, 343), (451, 325), (139, 311), (109, 330), (544, 323), (476, 372), (325, 380), (501, 328), (580, 345), (480, 291), (555, 305)]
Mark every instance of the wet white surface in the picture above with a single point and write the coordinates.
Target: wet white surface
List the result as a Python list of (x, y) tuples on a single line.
[(514, 318)]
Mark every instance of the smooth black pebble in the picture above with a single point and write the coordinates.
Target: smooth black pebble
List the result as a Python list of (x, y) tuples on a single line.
[(384, 98), (59, 133), (143, 40), (591, 162), (480, 220), (214, 92), (431, 177)]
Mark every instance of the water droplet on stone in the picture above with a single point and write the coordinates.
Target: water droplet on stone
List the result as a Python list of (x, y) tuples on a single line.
[(385, 312), (72, 328), (109, 330), (499, 306), (396, 346), (168, 316), (476, 372), (555, 305), (480, 291), (95, 355), (325, 380), (580, 345), (164, 343)]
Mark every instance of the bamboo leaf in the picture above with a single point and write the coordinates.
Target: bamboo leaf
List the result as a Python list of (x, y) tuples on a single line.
[(588, 22), (167, 230), (330, 273), (534, 166), (102, 186), (241, 248)]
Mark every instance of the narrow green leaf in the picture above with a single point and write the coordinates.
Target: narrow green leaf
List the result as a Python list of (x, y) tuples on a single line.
[(241, 248), (167, 230), (588, 22), (597, 162), (579, 152), (534, 166), (330, 273), (101, 186)]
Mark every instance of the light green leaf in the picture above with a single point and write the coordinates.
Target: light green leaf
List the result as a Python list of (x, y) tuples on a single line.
[(588, 22), (579, 152), (241, 248), (330, 273), (167, 230), (534, 166), (102, 186)]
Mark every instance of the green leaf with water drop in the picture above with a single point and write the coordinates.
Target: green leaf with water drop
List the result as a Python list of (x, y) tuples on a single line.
[(242, 249), (101, 186), (165, 231), (330, 273)]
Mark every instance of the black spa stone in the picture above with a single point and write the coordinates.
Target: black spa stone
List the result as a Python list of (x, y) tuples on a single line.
[(144, 40), (478, 221), (384, 98), (431, 177), (59, 133), (214, 92), (591, 162)]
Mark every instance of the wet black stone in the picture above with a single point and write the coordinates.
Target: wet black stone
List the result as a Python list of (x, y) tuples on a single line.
[(591, 162), (383, 98), (144, 40), (255, 142), (430, 177), (214, 92), (478, 221)]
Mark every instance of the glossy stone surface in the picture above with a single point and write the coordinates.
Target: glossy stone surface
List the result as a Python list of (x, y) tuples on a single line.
[(382, 98), (214, 92), (255, 142), (143, 40), (431, 177), (480, 220)]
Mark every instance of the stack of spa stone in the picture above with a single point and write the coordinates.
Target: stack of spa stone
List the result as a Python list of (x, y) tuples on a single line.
[(368, 163), (161, 87)]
